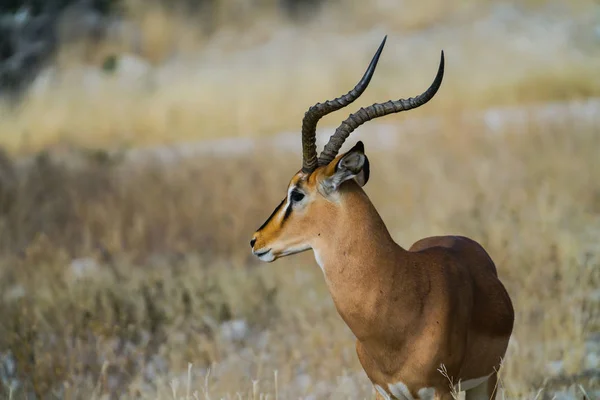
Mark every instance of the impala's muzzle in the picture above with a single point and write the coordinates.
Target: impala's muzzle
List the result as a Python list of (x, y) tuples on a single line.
[(263, 254)]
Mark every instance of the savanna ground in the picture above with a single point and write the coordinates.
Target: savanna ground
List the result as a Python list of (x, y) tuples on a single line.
[(116, 275)]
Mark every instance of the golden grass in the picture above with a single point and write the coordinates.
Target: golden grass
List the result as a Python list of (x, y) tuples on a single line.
[(114, 276), (173, 265), (255, 73)]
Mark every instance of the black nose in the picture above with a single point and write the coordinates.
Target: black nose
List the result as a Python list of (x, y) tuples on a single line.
[(252, 242)]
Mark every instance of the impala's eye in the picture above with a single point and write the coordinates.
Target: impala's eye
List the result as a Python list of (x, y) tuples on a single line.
[(296, 196)]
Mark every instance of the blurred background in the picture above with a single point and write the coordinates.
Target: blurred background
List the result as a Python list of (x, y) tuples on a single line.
[(142, 142)]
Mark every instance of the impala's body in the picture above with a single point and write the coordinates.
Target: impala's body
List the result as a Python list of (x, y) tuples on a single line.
[(412, 311)]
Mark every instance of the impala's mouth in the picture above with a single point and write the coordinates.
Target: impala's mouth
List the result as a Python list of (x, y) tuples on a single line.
[(264, 255), (267, 255)]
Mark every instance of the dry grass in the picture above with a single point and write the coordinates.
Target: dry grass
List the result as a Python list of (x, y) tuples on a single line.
[(195, 81), (172, 265), (114, 276)]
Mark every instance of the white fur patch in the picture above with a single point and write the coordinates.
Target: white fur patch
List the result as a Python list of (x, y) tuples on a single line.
[(318, 260), (426, 393), (400, 391), (471, 383), (267, 257), (288, 204)]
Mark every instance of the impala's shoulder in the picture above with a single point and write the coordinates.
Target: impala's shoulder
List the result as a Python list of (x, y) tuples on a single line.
[(463, 250)]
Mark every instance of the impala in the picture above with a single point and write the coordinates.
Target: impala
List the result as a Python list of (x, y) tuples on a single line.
[(438, 306)]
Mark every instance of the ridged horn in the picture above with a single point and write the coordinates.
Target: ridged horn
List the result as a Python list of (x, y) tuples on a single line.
[(375, 111), (319, 110)]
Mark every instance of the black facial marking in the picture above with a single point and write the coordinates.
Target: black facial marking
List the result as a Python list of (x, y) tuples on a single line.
[(288, 211), (272, 214)]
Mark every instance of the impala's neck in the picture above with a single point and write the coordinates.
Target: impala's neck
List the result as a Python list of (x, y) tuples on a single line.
[(359, 259)]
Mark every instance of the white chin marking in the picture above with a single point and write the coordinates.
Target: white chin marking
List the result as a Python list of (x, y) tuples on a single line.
[(267, 257)]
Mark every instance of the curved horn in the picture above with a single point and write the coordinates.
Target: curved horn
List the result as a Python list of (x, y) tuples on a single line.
[(374, 111), (319, 110)]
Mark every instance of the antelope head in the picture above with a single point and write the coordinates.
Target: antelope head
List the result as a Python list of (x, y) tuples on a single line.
[(316, 196)]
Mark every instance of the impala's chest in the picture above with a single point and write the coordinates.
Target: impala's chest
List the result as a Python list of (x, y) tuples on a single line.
[(409, 373), (359, 310)]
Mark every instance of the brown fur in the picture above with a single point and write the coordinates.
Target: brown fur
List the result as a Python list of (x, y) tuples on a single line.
[(439, 302)]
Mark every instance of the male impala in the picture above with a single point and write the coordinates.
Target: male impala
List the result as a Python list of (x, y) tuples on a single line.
[(438, 303)]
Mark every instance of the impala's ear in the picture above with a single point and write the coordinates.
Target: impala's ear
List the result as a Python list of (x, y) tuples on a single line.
[(354, 164)]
